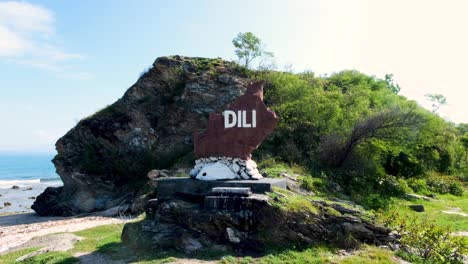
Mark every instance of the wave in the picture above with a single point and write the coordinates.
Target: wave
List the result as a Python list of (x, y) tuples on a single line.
[(22, 183)]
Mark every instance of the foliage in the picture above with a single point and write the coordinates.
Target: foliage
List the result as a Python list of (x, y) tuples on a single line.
[(417, 185), (249, 47), (357, 130), (445, 184), (437, 101), (291, 202), (427, 240)]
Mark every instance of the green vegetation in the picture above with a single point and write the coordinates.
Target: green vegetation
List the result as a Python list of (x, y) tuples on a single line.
[(354, 131), (291, 202), (423, 241), (248, 48), (105, 241)]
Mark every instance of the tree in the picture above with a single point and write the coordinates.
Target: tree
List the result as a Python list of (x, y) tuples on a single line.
[(395, 88), (383, 126), (437, 100), (249, 47)]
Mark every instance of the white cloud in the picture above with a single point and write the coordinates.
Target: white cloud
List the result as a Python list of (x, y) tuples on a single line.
[(27, 32)]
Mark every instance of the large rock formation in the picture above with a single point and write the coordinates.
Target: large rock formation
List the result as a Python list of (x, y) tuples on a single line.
[(103, 161), (251, 223)]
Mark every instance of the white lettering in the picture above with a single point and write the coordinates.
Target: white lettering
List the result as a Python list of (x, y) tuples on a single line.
[(231, 119), (227, 114), (244, 120), (254, 118)]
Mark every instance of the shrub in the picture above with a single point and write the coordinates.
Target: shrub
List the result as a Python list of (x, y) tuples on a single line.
[(312, 184), (426, 240), (445, 184), (417, 185)]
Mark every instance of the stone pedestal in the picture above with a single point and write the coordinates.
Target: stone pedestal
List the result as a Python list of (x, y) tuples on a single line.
[(171, 188)]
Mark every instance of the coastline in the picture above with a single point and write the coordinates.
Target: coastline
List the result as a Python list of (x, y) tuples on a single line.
[(17, 196)]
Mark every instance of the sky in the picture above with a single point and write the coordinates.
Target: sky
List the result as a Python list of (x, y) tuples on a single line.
[(61, 61)]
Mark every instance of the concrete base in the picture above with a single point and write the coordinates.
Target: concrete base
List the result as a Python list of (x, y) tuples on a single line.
[(169, 188)]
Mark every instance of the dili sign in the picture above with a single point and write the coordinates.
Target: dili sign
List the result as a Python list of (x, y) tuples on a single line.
[(231, 119)]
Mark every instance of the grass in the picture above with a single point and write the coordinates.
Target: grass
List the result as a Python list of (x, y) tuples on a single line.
[(291, 202), (105, 240), (433, 210), (370, 255), (11, 257), (317, 254), (274, 169)]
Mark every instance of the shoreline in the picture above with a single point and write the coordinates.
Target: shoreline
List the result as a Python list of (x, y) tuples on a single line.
[(17, 229), (17, 196)]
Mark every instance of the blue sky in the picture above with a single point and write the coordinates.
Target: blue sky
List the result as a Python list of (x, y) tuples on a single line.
[(61, 61)]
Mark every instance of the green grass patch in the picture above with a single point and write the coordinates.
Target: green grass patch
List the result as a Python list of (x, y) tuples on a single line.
[(274, 168), (12, 256), (104, 238), (291, 202), (369, 255), (433, 210)]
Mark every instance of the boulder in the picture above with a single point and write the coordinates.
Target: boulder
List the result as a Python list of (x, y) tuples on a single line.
[(104, 160), (215, 171), (417, 207), (253, 226)]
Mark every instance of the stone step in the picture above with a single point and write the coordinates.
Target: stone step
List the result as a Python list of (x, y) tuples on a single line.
[(170, 188), (227, 203), (231, 191)]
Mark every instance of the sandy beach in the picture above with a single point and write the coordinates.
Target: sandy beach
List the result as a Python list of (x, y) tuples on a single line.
[(16, 229), (19, 223)]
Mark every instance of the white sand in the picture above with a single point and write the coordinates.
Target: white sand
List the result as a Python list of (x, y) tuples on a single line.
[(19, 228)]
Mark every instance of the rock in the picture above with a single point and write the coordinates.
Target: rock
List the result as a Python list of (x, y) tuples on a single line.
[(105, 158), (215, 171), (151, 207), (153, 174), (6, 204), (52, 202), (236, 141), (190, 245), (235, 168), (138, 205), (15, 187), (254, 225), (164, 173), (244, 175), (416, 196), (417, 207), (234, 236), (168, 188)]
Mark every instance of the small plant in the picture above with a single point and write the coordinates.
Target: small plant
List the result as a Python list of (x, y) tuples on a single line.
[(417, 185), (445, 184), (291, 202), (426, 240)]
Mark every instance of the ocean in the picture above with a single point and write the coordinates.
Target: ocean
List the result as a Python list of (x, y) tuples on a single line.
[(26, 169)]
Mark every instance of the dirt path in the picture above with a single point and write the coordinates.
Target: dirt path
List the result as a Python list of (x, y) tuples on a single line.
[(20, 228)]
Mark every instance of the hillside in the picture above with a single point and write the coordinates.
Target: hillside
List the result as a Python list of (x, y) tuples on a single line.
[(346, 138)]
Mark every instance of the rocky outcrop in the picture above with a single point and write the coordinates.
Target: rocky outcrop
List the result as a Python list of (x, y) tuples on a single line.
[(104, 159), (251, 224)]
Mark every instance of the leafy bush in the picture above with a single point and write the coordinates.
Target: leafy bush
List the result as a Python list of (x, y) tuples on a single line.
[(426, 240), (445, 184), (312, 184), (417, 185)]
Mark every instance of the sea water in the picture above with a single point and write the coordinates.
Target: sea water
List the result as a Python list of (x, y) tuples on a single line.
[(26, 169)]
